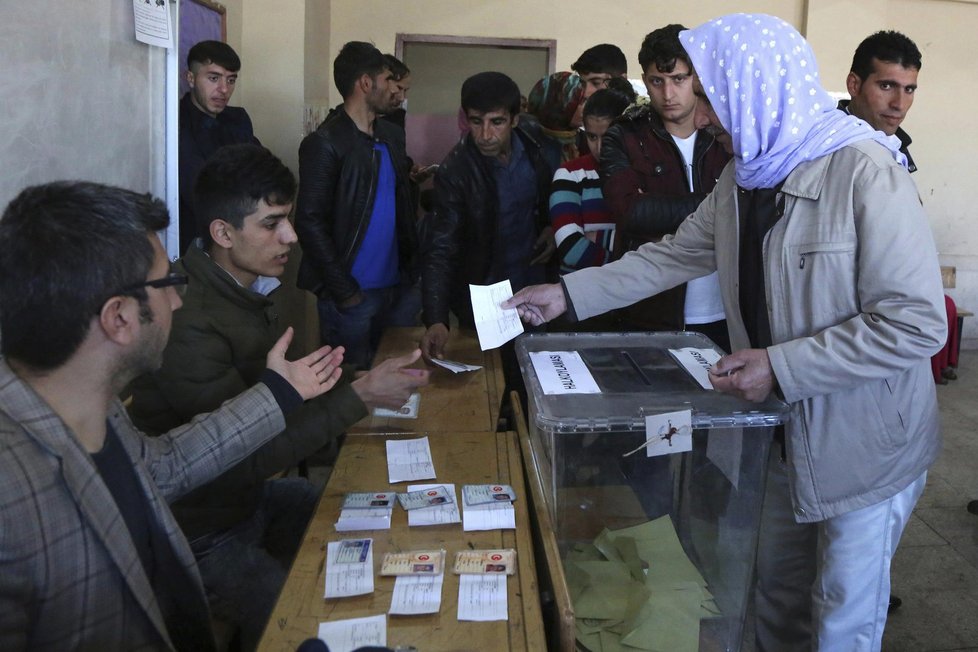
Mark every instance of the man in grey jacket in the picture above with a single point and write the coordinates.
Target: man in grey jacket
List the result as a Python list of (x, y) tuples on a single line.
[(832, 290), (91, 557)]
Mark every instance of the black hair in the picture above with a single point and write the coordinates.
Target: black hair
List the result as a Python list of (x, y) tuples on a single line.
[(610, 102), (603, 58), (662, 47), (491, 91), (65, 249), (232, 182), (356, 59), (888, 46), (398, 70), (217, 52)]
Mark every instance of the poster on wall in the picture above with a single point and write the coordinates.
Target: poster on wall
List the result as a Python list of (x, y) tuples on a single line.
[(152, 22)]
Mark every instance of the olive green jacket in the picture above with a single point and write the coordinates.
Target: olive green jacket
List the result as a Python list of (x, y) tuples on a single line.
[(217, 349)]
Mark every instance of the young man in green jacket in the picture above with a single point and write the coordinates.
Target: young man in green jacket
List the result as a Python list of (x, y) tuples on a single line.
[(245, 529)]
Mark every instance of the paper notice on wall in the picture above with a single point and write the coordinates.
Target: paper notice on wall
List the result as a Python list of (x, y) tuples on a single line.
[(563, 372), (152, 22)]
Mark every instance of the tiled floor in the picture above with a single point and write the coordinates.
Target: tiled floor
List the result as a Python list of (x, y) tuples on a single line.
[(935, 570)]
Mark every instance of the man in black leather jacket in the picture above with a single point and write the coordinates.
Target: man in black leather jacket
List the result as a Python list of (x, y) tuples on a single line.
[(353, 215), (481, 231)]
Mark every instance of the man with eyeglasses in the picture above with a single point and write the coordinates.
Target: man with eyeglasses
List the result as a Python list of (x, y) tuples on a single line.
[(91, 557), (245, 529)]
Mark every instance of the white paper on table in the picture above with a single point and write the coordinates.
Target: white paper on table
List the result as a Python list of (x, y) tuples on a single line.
[(409, 459), (456, 367), (373, 518), (417, 594), (482, 597), (407, 411), (437, 514), (494, 325), (348, 635), (697, 363), (563, 372), (351, 578), (489, 516)]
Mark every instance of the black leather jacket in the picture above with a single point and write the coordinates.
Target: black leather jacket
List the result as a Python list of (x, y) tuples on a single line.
[(462, 231), (338, 170)]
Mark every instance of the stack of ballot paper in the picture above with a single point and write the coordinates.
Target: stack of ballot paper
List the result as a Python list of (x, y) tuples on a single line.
[(488, 507), (369, 510), (636, 588)]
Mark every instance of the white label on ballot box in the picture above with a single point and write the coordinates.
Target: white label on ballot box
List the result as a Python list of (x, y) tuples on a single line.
[(697, 363), (563, 372)]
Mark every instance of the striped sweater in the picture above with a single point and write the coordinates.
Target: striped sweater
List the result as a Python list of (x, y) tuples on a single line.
[(582, 223)]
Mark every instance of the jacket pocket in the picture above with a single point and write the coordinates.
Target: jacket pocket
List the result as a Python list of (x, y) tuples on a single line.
[(820, 284)]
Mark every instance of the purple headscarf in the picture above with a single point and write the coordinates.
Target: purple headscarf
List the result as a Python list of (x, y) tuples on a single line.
[(762, 79)]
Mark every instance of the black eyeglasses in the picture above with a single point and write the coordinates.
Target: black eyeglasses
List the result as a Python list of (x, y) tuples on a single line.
[(174, 280)]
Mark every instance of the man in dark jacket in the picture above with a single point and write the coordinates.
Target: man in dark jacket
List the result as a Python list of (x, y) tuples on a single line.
[(657, 168), (353, 214), (206, 121), (491, 218), (882, 82), (243, 529)]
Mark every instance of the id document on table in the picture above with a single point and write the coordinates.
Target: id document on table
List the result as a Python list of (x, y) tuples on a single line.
[(349, 568), (437, 514)]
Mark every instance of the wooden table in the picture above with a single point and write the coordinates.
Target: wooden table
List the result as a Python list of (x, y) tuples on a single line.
[(467, 401), (461, 458)]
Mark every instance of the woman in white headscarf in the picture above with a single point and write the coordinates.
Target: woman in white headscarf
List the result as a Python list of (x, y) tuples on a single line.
[(834, 301)]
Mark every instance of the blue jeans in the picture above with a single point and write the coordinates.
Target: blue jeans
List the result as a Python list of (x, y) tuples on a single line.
[(245, 567), (359, 327)]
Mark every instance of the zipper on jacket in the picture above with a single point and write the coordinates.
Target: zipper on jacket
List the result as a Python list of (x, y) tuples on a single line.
[(368, 205)]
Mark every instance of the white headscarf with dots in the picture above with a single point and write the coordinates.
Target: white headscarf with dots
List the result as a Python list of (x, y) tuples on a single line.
[(762, 79)]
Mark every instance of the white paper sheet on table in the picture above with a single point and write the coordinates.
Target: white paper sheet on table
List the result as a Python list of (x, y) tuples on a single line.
[(563, 372), (344, 579), (494, 325), (697, 363), (455, 367), (437, 515), (417, 594), (490, 516), (482, 597), (348, 635), (409, 459)]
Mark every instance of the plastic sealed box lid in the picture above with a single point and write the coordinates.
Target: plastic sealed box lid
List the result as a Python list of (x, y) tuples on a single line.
[(637, 377)]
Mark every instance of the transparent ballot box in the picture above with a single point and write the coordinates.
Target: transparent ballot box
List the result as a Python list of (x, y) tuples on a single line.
[(652, 486)]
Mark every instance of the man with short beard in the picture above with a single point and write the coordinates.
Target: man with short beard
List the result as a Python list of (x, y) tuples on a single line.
[(353, 211)]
